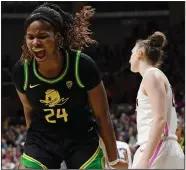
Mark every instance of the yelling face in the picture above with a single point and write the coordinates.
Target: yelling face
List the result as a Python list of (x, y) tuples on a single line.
[(41, 40)]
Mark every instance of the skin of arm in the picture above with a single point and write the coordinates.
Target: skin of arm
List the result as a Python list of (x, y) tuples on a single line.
[(26, 107), (155, 88), (98, 100)]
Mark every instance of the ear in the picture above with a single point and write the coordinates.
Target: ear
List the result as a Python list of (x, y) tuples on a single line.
[(57, 36), (140, 53), (59, 40)]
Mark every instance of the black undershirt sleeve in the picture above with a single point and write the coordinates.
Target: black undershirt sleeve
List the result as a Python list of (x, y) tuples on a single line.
[(18, 76), (88, 72)]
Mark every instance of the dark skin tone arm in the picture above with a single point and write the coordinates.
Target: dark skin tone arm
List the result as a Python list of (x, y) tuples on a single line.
[(99, 103), (26, 107)]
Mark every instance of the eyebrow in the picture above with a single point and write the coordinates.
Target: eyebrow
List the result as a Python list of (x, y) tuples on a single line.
[(42, 32)]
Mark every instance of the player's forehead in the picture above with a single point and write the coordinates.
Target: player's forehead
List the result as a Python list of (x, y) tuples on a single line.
[(135, 48), (39, 26)]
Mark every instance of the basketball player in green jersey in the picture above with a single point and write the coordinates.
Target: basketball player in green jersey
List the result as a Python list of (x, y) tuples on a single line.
[(62, 93)]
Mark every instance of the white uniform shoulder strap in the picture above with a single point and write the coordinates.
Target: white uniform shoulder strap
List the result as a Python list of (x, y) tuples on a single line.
[(151, 69)]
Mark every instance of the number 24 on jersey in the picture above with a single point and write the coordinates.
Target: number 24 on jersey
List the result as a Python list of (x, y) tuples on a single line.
[(51, 117)]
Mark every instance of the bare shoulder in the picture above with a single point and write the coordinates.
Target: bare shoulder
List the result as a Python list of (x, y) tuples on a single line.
[(154, 78)]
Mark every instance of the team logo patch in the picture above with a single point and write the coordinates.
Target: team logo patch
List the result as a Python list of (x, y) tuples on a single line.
[(52, 98), (69, 84)]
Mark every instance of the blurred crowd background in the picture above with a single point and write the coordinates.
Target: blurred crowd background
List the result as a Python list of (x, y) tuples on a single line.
[(116, 27)]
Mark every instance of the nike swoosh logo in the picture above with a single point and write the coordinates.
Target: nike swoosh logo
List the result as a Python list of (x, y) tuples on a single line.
[(90, 129), (63, 102), (32, 86)]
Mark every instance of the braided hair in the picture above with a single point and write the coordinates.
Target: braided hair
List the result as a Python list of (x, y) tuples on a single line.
[(73, 30)]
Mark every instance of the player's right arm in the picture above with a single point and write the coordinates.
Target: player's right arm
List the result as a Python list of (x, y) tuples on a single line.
[(26, 107), (18, 80)]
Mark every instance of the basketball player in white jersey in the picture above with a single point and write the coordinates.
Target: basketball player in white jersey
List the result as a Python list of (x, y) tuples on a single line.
[(123, 151), (156, 115)]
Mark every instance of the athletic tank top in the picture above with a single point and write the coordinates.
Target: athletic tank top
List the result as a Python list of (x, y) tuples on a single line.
[(144, 113)]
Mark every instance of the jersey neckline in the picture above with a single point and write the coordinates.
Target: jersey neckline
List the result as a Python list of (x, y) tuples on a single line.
[(51, 80)]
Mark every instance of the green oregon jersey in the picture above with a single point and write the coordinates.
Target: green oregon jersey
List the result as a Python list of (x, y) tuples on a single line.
[(59, 105)]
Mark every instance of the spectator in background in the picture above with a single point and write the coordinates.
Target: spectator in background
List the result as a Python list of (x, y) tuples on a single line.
[(180, 134), (12, 137)]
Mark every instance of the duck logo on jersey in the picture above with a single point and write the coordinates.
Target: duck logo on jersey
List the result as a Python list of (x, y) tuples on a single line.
[(52, 98), (69, 84)]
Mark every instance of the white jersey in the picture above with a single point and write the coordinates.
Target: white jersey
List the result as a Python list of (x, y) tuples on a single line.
[(63, 165), (144, 113), (122, 147)]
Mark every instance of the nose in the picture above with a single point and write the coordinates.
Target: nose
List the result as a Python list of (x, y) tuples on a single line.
[(35, 42)]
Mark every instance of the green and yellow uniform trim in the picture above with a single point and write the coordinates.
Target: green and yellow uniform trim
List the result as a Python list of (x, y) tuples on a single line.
[(25, 74), (96, 161), (182, 144), (51, 81), (77, 69), (30, 162)]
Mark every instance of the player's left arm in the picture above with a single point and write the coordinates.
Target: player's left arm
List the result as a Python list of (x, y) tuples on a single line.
[(90, 77), (154, 86), (98, 100)]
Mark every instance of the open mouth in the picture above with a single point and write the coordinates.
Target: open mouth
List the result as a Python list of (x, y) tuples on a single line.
[(39, 53)]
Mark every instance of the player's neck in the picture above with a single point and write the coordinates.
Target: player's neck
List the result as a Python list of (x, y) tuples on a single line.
[(52, 67), (144, 67)]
